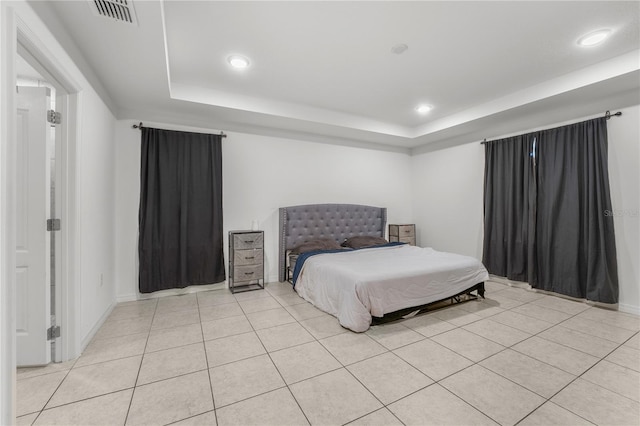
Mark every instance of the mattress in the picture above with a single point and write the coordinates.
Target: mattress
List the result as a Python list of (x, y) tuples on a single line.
[(356, 285)]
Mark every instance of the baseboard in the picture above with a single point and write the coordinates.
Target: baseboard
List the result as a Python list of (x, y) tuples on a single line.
[(130, 297), (85, 341), (629, 309)]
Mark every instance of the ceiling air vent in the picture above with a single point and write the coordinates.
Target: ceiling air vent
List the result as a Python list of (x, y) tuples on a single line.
[(118, 10)]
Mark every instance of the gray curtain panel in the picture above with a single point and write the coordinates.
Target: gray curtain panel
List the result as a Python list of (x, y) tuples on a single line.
[(509, 206), (180, 217), (545, 203), (576, 252)]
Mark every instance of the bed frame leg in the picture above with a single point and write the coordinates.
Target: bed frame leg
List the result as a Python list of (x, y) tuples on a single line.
[(481, 290)]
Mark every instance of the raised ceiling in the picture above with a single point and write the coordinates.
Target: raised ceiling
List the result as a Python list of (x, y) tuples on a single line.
[(326, 70)]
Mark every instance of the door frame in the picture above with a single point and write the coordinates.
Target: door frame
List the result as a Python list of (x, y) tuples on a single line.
[(16, 36)]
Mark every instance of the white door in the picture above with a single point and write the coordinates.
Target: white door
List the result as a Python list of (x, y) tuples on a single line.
[(33, 292)]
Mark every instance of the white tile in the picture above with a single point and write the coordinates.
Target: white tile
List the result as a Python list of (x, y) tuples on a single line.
[(33, 393), (500, 399), (538, 377), (97, 379), (205, 419), (171, 363), (270, 318), (503, 302), (334, 398), (597, 404), (54, 367), (615, 318), (248, 295), (437, 406), (352, 347), (107, 409), (304, 361), (562, 357), (233, 348), (324, 326), (185, 302), (225, 310), (577, 340), (173, 337), (551, 414), (382, 417), (175, 319), (522, 322), (626, 357), (124, 327), (215, 297), (26, 420), (259, 304), (280, 288), (243, 379), (496, 332), (171, 400), (456, 315), (561, 304), (599, 329), (225, 327), (113, 348), (467, 344), (521, 294), (428, 325), (393, 335), (289, 299), (388, 377), (275, 408), (482, 307), (138, 310), (542, 313), (284, 336), (304, 311), (633, 342), (615, 378), (433, 359)]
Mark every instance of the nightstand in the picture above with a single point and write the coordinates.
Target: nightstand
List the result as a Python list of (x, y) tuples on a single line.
[(246, 260), (403, 233)]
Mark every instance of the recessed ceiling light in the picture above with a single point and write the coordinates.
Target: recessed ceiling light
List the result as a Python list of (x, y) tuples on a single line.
[(593, 38), (423, 109), (238, 61)]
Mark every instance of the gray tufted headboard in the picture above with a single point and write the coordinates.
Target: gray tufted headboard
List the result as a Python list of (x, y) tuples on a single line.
[(299, 224)]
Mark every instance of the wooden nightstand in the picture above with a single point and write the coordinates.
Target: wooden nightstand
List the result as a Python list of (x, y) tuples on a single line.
[(403, 233), (246, 260)]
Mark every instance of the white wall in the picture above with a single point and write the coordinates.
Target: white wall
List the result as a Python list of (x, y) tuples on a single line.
[(96, 171), (448, 188), (261, 174)]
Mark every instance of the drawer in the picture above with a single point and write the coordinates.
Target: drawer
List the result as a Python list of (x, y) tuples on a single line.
[(250, 240), (247, 257), (408, 240), (402, 231), (248, 272)]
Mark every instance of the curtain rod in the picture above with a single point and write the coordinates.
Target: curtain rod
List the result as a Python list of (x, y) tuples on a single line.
[(607, 115), (139, 126)]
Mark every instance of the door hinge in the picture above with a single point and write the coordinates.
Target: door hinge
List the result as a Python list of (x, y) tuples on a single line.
[(53, 224), (54, 117), (53, 332)]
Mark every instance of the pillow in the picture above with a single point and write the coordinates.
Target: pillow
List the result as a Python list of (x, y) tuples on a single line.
[(361, 241), (317, 244)]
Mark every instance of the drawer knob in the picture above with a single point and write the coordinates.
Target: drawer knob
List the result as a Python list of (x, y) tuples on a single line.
[(248, 241), (249, 258), (248, 273)]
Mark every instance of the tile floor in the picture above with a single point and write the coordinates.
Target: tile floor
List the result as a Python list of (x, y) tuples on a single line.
[(270, 358)]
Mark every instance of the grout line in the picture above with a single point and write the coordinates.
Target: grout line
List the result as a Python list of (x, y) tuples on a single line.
[(206, 358)]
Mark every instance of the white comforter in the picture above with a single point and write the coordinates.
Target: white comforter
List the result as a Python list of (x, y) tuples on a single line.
[(355, 285)]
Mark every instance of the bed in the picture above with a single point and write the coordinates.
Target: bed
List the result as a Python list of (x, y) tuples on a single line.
[(370, 285)]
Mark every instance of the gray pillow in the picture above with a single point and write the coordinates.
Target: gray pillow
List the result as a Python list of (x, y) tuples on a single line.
[(361, 241), (317, 244)]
